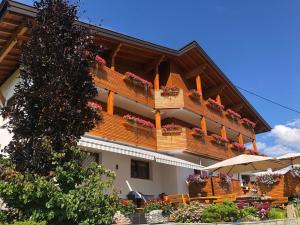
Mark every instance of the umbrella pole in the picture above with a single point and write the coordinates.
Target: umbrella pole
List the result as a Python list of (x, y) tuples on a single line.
[(292, 163), (212, 185)]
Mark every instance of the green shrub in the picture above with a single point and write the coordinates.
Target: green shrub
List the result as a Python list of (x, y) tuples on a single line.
[(191, 213), (277, 213), (29, 223), (226, 212), (250, 214), (126, 207)]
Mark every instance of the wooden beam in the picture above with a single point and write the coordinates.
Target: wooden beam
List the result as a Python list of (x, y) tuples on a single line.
[(237, 107), (156, 78), (157, 119), (154, 64), (2, 98), (110, 103), (215, 90), (113, 57), (12, 42), (240, 139), (254, 145), (203, 124), (199, 84), (218, 99), (194, 72), (223, 131)]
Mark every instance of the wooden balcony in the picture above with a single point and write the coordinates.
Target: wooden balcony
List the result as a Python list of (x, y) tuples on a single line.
[(115, 128), (108, 79), (168, 102)]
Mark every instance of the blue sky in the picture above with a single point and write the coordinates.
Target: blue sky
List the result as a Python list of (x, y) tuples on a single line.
[(256, 43)]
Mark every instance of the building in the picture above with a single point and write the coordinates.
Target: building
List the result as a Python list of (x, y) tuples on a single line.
[(197, 95)]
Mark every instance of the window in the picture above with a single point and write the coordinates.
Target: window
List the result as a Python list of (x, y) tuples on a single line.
[(140, 169)]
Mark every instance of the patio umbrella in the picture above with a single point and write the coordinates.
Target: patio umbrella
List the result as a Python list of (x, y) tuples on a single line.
[(245, 163), (290, 158)]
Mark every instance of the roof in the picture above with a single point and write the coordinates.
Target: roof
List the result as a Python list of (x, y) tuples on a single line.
[(189, 56)]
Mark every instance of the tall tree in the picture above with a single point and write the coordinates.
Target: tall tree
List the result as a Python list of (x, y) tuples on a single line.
[(49, 111)]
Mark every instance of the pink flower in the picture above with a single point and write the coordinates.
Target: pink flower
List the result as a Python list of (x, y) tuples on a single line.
[(100, 60), (218, 138), (248, 123), (137, 120), (169, 90), (198, 131), (94, 105), (171, 126), (233, 113), (215, 104), (238, 146), (138, 79)]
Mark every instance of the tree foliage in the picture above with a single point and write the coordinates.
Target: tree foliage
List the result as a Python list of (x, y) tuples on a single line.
[(49, 112)]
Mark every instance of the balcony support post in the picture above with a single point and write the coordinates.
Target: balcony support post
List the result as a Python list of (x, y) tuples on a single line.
[(157, 119), (156, 77), (218, 99), (113, 57), (223, 131), (110, 103), (203, 125), (198, 84), (254, 144), (240, 139)]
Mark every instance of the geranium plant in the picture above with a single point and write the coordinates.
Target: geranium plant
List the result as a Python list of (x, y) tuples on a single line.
[(197, 178), (198, 132), (219, 140), (215, 105), (100, 60), (169, 90), (171, 128), (126, 207), (225, 179), (195, 94), (239, 147), (138, 121), (268, 179), (295, 171), (248, 123), (157, 204), (233, 115), (137, 80), (94, 105)]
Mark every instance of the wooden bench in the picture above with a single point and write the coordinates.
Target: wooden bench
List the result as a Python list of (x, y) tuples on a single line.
[(176, 199), (228, 197), (279, 201)]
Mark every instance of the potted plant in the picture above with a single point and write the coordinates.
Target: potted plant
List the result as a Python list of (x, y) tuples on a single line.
[(138, 121), (239, 147), (248, 123), (156, 211), (225, 179), (217, 139), (171, 129), (268, 179), (197, 179), (233, 115), (169, 90), (215, 105), (295, 171), (100, 61), (198, 132), (125, 210), (194, 94), (138, 81)]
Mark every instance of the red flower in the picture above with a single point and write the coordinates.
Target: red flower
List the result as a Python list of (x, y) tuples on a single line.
[(94, 105), (100, 60)]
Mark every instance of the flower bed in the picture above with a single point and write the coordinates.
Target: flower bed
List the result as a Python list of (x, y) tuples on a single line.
[(239, 147), (169, 90), (295, 172), (171, 129), (137, 80), (194, 94), (268, 179), (197, 178), (198, 132), (215, 105), (248, 123), (100, 60), (94, 105), (138, 121), (233, 115), (225, 179), (219, 140)]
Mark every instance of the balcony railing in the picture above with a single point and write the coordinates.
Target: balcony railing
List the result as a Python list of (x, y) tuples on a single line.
[(168, 102), (117, 82)]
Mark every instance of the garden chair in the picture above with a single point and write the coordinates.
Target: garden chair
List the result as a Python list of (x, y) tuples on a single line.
[(228, 197), (179, 198)]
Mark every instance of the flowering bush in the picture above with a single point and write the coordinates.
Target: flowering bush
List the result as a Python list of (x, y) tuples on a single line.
[(94, 105), (215, 105), (138, 80), (126, 207), (268, 179), (169, 90), (157, 204), (195, 94), (248, 123), (139, 121), (263, 209), (295, 172), (225, 179), (191, 213), (219, 140), (198, 132), (100, 60), (171, 128), (197, 178), (238, 146), (233, 115)]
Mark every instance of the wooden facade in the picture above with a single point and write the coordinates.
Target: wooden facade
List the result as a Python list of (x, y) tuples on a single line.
[(188, 68)]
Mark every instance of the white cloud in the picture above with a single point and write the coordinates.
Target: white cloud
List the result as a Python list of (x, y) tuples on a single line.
[(277, 150), (288, 134)]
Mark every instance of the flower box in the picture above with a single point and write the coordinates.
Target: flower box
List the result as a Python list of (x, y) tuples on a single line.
[(239, 147), (219, 140), (100, 60), (197, 178), (171, 129), (138, 121), (215, 105), (268, 179), (198, 132), (137, 80), (94, 105), (233, 115), (295, 172), (248, 123), (194, 94), (169, 90), (225, 179)]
